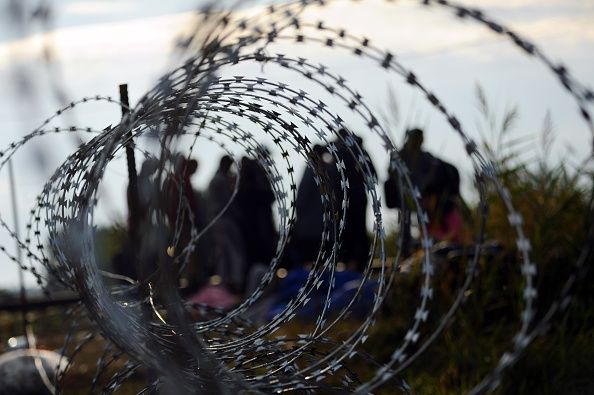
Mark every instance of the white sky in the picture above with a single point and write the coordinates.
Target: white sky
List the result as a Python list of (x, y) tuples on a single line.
[(100, 44)]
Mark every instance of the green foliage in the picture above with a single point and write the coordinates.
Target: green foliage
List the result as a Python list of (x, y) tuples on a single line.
[(556, 205)]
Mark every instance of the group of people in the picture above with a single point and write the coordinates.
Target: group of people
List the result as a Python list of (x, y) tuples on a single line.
[(237, 209), (437, 181), (244, 235), (239, 218)]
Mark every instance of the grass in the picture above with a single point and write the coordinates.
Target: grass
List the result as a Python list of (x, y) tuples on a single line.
[(556, 205)]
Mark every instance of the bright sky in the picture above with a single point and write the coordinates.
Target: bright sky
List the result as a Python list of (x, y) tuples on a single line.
[(100, 44)]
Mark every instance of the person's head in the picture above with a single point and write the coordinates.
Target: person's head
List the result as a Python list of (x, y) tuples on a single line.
[(342, 132), (225, 164), (149, 167), (247, 167), (318, 150), (185, 167), (414, 139), (316, 153), (345, 135), (191, 167)]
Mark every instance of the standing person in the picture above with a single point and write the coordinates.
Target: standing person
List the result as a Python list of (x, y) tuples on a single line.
[(355, 244), (183, 208), (438, 183), (227, 258), (307, 232), (254, 199)]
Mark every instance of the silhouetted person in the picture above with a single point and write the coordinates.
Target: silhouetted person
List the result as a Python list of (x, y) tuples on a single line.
[(438, 183), (355, 246), (227, 258), (183, 208), (307, 232), (254, 199)]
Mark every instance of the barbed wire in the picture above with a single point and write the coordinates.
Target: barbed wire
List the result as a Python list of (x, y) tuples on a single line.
[(147, 323)]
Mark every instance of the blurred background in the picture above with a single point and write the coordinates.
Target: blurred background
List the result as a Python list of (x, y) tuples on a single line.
[(55, 52)]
